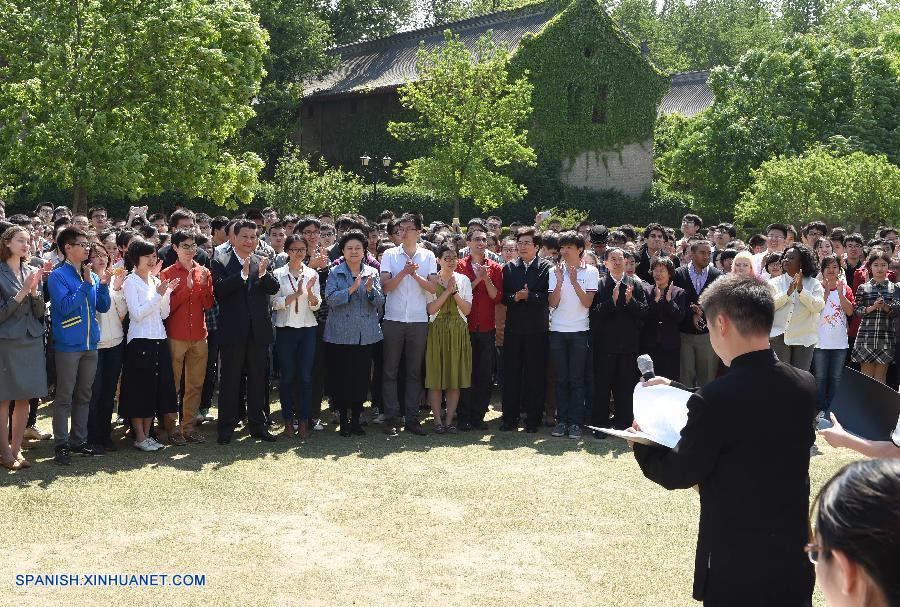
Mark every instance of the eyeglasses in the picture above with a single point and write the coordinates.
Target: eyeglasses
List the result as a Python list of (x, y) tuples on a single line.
[(83, 245), (479, 239), (327, 234), (310, 232), (814, 552), (776, 237), (519, 243), (187, 247), (296, 250)]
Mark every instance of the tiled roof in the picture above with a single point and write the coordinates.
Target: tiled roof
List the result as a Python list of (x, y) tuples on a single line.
[(389, 62), (688, 95)]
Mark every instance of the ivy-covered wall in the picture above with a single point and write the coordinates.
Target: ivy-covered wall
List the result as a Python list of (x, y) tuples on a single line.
[(594, 96), (594, 93)]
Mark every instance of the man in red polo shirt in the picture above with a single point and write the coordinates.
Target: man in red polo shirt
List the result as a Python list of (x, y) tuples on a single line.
[(487, 292), (186, 328)]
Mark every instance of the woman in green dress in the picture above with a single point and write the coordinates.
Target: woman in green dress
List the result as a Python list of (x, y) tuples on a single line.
[(448, 353)]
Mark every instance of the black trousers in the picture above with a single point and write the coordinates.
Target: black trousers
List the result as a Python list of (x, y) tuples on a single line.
[(616, 374), (524, 377), (474, 401), (666, 363), (318, 375), (236, 359)]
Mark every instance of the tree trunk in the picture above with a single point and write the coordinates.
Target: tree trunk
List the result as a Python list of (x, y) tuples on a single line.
[(456, 207), (79, 199)]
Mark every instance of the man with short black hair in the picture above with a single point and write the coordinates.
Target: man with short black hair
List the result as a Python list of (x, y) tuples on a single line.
[(654, 239), (158, 221), (242, 286), (698, 361), (754, 502), (526, 283), (97, 216), (406, 274), (812, 232), (76, 296), (182, 219), (776, 239), (690, 226)]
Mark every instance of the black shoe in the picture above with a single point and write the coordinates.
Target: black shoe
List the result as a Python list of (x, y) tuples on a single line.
[(265, 435), (480, 425), (223, 440), (600, 435), (505, 427), (357, 430), (86, 449), (531, 429), (415, 428), (390, 429), (63, 456), (109, 445), (465, 427)]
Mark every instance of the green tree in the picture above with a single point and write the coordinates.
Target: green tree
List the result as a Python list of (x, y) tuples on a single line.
[(781, 103), (473, 117), (298, 38), (858, 191), (354, 20), (128, 99), (303, 188)]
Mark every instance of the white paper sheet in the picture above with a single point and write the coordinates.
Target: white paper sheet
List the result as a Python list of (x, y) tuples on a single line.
[(661, 412)]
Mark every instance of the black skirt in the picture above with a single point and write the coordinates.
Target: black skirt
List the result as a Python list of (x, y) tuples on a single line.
[(148, 383), (349, 373)]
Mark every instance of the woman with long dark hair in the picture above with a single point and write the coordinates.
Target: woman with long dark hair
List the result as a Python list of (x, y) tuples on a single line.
[(855, 545), (877, 302)]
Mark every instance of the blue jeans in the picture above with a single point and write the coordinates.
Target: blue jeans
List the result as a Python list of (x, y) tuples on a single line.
[(296, 351), (828, 366), (569, 352)]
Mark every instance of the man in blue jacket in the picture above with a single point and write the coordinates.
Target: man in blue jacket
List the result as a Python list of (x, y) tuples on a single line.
[(76, 296)]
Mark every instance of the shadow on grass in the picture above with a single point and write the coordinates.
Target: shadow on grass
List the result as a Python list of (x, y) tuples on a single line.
[(325, 445)]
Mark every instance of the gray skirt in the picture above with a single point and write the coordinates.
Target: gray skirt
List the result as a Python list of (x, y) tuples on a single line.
[(23, 368)]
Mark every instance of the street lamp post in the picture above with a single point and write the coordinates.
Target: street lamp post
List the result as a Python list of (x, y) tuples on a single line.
[(374, 170)]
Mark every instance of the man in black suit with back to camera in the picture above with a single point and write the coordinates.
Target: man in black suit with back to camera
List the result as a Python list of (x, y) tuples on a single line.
[(242, 285), (754, 485)]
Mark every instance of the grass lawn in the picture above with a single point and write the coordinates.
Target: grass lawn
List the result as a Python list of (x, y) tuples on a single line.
[(473, 519)]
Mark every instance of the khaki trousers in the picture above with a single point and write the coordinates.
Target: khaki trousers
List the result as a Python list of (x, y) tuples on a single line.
[(189, 357), (699, 362)]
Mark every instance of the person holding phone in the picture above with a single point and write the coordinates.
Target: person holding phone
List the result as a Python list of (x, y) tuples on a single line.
[(77, 295)]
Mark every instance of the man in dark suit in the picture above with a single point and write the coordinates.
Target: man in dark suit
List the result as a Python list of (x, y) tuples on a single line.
[(698, 361), (242, 286), (754, 486), (617, 315), (654, 239), (526, 282)]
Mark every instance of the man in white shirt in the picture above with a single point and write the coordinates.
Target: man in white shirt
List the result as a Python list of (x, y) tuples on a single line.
[(572, 287), (406, 271)]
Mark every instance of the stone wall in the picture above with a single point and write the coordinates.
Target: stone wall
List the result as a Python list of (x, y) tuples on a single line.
[(629, 171)]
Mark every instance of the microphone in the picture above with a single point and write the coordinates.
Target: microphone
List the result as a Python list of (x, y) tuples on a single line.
[(645, 366)]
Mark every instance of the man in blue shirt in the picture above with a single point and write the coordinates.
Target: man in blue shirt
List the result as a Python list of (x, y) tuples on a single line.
[(76, 296)]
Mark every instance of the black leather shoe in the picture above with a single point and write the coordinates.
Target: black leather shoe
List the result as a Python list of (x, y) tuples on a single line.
[(465, 426), (505, 427), (265, 435), (357, 431), (86, 449), (480, 425), (63, 456), (531, 429), (600, 435), (416, 429), (224, 440), (109, 444)]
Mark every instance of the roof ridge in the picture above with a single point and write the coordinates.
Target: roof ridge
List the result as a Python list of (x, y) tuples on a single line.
[(689, 76), (457, 26)]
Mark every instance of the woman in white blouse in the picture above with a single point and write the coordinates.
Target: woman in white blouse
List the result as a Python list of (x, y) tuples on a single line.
[(298, 297), (799, 299), (148, 384), (448, 351)]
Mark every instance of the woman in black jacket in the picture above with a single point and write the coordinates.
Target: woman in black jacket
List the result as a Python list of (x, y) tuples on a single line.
[(666, 308)]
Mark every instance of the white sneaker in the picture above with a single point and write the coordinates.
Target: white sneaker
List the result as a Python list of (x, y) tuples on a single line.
[(319, 425), (145, 445), (156, 444)]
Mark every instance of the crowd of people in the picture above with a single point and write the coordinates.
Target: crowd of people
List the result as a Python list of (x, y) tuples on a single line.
[(145, 318)]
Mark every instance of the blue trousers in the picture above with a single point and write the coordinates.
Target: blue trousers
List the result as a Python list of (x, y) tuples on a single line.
[(828, 366), (569, 351), (296, 352)]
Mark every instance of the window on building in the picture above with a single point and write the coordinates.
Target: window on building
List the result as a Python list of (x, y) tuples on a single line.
[(598, 110)]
